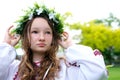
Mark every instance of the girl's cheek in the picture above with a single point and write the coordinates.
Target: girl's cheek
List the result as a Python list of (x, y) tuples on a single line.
[(34, 36), (48, 37)]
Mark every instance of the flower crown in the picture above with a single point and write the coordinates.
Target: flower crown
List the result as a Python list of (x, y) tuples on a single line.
[(37, 10)]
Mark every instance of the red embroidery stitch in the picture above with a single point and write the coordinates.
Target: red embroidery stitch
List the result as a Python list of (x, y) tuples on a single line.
[(15, 77), (97, 52)]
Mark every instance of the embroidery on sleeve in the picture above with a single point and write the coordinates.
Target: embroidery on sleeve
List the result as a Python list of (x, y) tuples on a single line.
[(97, 52), (15, 77), (74, 64)]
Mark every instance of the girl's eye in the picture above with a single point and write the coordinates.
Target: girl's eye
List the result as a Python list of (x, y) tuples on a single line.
[(48, 32), (34, 32)]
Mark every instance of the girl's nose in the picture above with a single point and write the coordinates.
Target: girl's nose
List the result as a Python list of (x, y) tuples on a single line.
[(41, 37)]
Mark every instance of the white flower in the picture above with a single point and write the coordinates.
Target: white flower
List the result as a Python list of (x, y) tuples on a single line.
[(30, 16), (39, 11), (51, 16)]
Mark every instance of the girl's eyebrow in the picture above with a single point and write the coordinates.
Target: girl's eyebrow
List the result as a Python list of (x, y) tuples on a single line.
[(35, 28), (48, 28)]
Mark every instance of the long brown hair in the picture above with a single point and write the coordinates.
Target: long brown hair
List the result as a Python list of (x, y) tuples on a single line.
[(27, 71)]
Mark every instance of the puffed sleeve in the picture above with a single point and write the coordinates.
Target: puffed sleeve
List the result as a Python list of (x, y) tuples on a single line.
[(7, 56), (90, 63)]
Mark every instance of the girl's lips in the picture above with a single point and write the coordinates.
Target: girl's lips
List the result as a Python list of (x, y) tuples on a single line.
[(41, 44)]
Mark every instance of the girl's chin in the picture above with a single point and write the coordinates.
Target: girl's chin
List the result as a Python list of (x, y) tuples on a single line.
[(40, 51)]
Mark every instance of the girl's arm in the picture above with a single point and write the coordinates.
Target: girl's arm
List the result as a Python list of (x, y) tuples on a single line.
[(86, 63), (7, 56), (89, 63), (7, 52)]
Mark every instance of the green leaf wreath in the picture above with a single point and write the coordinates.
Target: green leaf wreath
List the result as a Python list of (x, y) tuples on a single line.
[(37, 10)]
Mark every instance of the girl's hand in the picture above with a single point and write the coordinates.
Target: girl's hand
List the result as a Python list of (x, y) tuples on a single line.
[(11, 39), (65, 41)]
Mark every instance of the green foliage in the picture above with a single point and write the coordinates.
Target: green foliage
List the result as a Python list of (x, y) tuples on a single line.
[(101, 37), (108, 21), (96, 36), (116, 41), (76, 25), (114, 73), (66, 15), (18, 45)]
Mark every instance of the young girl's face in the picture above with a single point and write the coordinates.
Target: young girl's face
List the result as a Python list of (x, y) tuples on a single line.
[(40, 35)]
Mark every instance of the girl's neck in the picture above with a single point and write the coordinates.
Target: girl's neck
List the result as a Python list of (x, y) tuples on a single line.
[(37, 57)]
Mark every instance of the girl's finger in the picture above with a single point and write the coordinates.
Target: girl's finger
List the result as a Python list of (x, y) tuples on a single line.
[(8, 30), (64, 36), (16, 36)]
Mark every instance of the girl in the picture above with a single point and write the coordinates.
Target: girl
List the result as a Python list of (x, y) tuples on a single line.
[(41, 33)]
